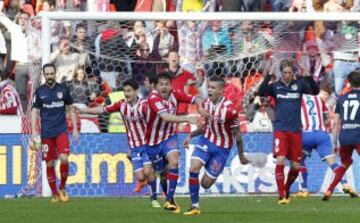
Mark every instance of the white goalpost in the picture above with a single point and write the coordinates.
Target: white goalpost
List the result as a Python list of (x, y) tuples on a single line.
[(278, 35)]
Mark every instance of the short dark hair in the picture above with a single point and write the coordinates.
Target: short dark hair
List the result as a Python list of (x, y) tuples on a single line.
[(153, 78), (2, 75), (354, 78), (48, 65), (325, 86), (132, 83), (80, 26), (165, 75), (218, 80), (287, 63)]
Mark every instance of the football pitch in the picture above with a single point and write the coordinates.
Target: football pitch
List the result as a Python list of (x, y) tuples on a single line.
[(214, 209)]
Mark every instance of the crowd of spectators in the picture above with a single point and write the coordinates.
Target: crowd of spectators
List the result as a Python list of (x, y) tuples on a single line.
[(93, 58)]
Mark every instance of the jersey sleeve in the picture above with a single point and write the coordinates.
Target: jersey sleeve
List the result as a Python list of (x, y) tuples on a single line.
[(68, 99), (155, 104), (114, 107), (143, 108), (36, 103), (182, 97), (265, 88), (337, 107), (325, 107), (232, 118)]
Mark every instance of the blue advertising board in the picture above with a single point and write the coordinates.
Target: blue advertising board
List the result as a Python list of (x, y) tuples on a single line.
[(99, 167)]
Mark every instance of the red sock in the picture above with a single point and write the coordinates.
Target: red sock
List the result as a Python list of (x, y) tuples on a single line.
[(52, 180), (64, 172), (339, 173), (279, 176), (292, 175)]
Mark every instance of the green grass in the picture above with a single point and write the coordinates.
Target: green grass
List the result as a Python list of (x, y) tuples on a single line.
[(214, 209)]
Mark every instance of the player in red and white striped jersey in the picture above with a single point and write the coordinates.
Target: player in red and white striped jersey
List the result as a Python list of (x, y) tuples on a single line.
[(9, 98), (133, 111), (162, 128), (313, 110), (213, 148)]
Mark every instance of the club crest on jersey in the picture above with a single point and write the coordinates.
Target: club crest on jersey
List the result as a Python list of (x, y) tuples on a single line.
[(294, 87), (59, 95)]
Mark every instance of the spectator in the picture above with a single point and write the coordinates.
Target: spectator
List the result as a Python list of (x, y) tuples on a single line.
[(314, 61), (79, 88), (345, 60), (216, 41), (233, 5), (67, 62), (112, 53), (9, 99), (164, 38), (260, 115), (155, 6), (124, 5), (190, 43), (21, 68), (34, 50), (333, 6), (144, 64), (182, 79)]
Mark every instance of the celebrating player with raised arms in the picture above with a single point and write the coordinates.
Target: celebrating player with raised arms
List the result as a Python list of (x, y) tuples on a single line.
[(213, 147), (287, 93), (347, 119)]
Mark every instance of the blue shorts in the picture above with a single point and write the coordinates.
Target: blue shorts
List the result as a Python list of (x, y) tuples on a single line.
[(139, 158), (318, 140), (158, 153), (213, 157)]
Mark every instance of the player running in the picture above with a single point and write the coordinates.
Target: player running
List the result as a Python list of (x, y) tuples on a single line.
[(314, 117), (213, 147), (133, 111), (161, 133), (347, 119)]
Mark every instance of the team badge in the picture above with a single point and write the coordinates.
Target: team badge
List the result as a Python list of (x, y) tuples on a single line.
[(59, 95), (294, 87)]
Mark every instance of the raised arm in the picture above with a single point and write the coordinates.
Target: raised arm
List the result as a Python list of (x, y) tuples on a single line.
[(265, 88), (310, 86)]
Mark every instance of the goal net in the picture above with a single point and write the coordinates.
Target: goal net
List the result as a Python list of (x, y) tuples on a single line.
[(95, 53)]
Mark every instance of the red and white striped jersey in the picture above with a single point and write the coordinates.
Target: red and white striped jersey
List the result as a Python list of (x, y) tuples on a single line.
[(157, 129), (218, 127), (312, 113), (9, 100), (134, 118)]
